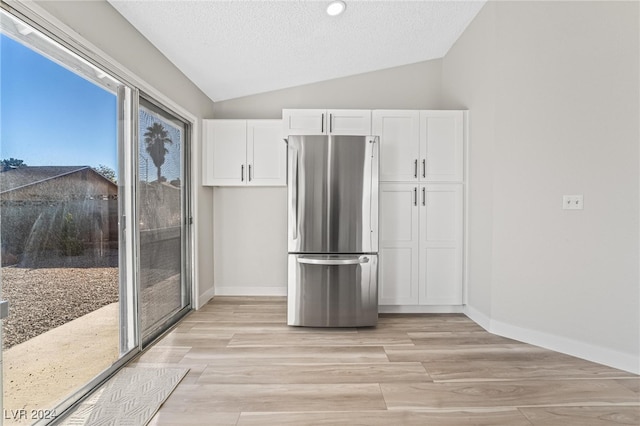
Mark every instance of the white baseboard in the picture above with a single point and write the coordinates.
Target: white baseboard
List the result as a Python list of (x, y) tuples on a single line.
[(235, 290), (420, 309), (478, 317), (605, 356), (609, 357), (203, 298)]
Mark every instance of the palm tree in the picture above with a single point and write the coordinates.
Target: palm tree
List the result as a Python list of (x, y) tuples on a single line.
[(155, 138)]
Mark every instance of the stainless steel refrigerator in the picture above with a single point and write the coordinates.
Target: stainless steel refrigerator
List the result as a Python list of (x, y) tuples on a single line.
[(332, 231)]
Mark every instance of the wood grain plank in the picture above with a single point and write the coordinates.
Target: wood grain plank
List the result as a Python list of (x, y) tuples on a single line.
[(452, 338), (276, 397), (497, 369), (506, 394), (582, 416), (385, 418), (313, 338), (288, 354), (427, 353), (316, 373), (165, 417)]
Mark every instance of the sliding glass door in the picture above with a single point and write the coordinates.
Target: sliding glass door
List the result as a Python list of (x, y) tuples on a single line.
[(61, 195), (163, 212), (95, 222)]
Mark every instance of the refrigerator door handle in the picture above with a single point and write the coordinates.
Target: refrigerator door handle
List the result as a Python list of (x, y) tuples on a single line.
[(293, 209), (334, 262)]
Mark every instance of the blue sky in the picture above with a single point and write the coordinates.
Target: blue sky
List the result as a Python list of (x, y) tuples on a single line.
[(51, 116)]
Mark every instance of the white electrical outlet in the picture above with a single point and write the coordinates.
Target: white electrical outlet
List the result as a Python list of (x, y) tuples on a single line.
[(572, 202)]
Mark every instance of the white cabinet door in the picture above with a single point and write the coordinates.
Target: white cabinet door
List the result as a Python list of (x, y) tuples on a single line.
[(441, 225), (225, 153), (304, 122), (349, 122), (325, 122), (441, 146), (398, 244), (266, 153), (399, 132)]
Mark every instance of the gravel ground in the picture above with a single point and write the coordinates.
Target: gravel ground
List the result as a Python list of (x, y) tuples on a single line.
[(45, 298)]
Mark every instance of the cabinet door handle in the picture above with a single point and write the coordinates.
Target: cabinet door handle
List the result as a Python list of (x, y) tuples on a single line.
[(322, 124), (330, 123), (424, 167), (415, 196), (415, 168), (424, 197), (242, 173), (249, 172)]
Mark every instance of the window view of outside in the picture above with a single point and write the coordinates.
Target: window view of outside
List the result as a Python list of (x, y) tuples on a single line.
[(160, 146), (59, 228)]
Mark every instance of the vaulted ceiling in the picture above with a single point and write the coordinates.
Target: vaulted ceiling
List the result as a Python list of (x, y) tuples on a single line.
[(231, 49)]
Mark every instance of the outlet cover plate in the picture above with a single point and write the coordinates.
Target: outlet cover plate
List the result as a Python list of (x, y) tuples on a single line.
[(572, 202)]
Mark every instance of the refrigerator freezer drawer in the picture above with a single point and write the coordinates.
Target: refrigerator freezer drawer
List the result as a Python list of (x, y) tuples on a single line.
[(333, 290)]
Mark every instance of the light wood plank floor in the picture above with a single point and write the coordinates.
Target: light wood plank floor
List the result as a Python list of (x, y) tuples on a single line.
[(247, 367)]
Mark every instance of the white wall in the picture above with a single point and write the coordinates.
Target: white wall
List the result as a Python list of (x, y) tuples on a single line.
[(469, 83), (250, 223), (102, 26), (250, 241), (415, 86), (559, 82)]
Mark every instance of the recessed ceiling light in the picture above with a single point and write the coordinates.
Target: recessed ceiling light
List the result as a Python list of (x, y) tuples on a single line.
[(335, 8)]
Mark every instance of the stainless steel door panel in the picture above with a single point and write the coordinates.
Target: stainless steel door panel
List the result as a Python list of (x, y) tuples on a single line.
[(333, 194), (333, 290)]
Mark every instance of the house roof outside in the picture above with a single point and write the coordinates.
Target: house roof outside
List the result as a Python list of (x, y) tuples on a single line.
[(22, 177)]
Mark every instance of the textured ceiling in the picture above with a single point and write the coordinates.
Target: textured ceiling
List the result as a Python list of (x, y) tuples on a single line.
[(237, 48)]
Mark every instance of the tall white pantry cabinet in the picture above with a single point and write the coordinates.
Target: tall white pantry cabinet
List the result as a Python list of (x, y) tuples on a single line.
[(421, 206)]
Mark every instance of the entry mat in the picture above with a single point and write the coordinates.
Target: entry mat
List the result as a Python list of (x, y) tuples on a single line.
[(131, 397)]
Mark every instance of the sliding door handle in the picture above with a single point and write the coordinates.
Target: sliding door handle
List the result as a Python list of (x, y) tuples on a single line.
[(4, 309)]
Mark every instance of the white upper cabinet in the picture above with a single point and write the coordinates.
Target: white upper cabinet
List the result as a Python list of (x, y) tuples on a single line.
[(420, 146), (326, 122), (399, 132), (244, 152), (349, 122), (441, 146)]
